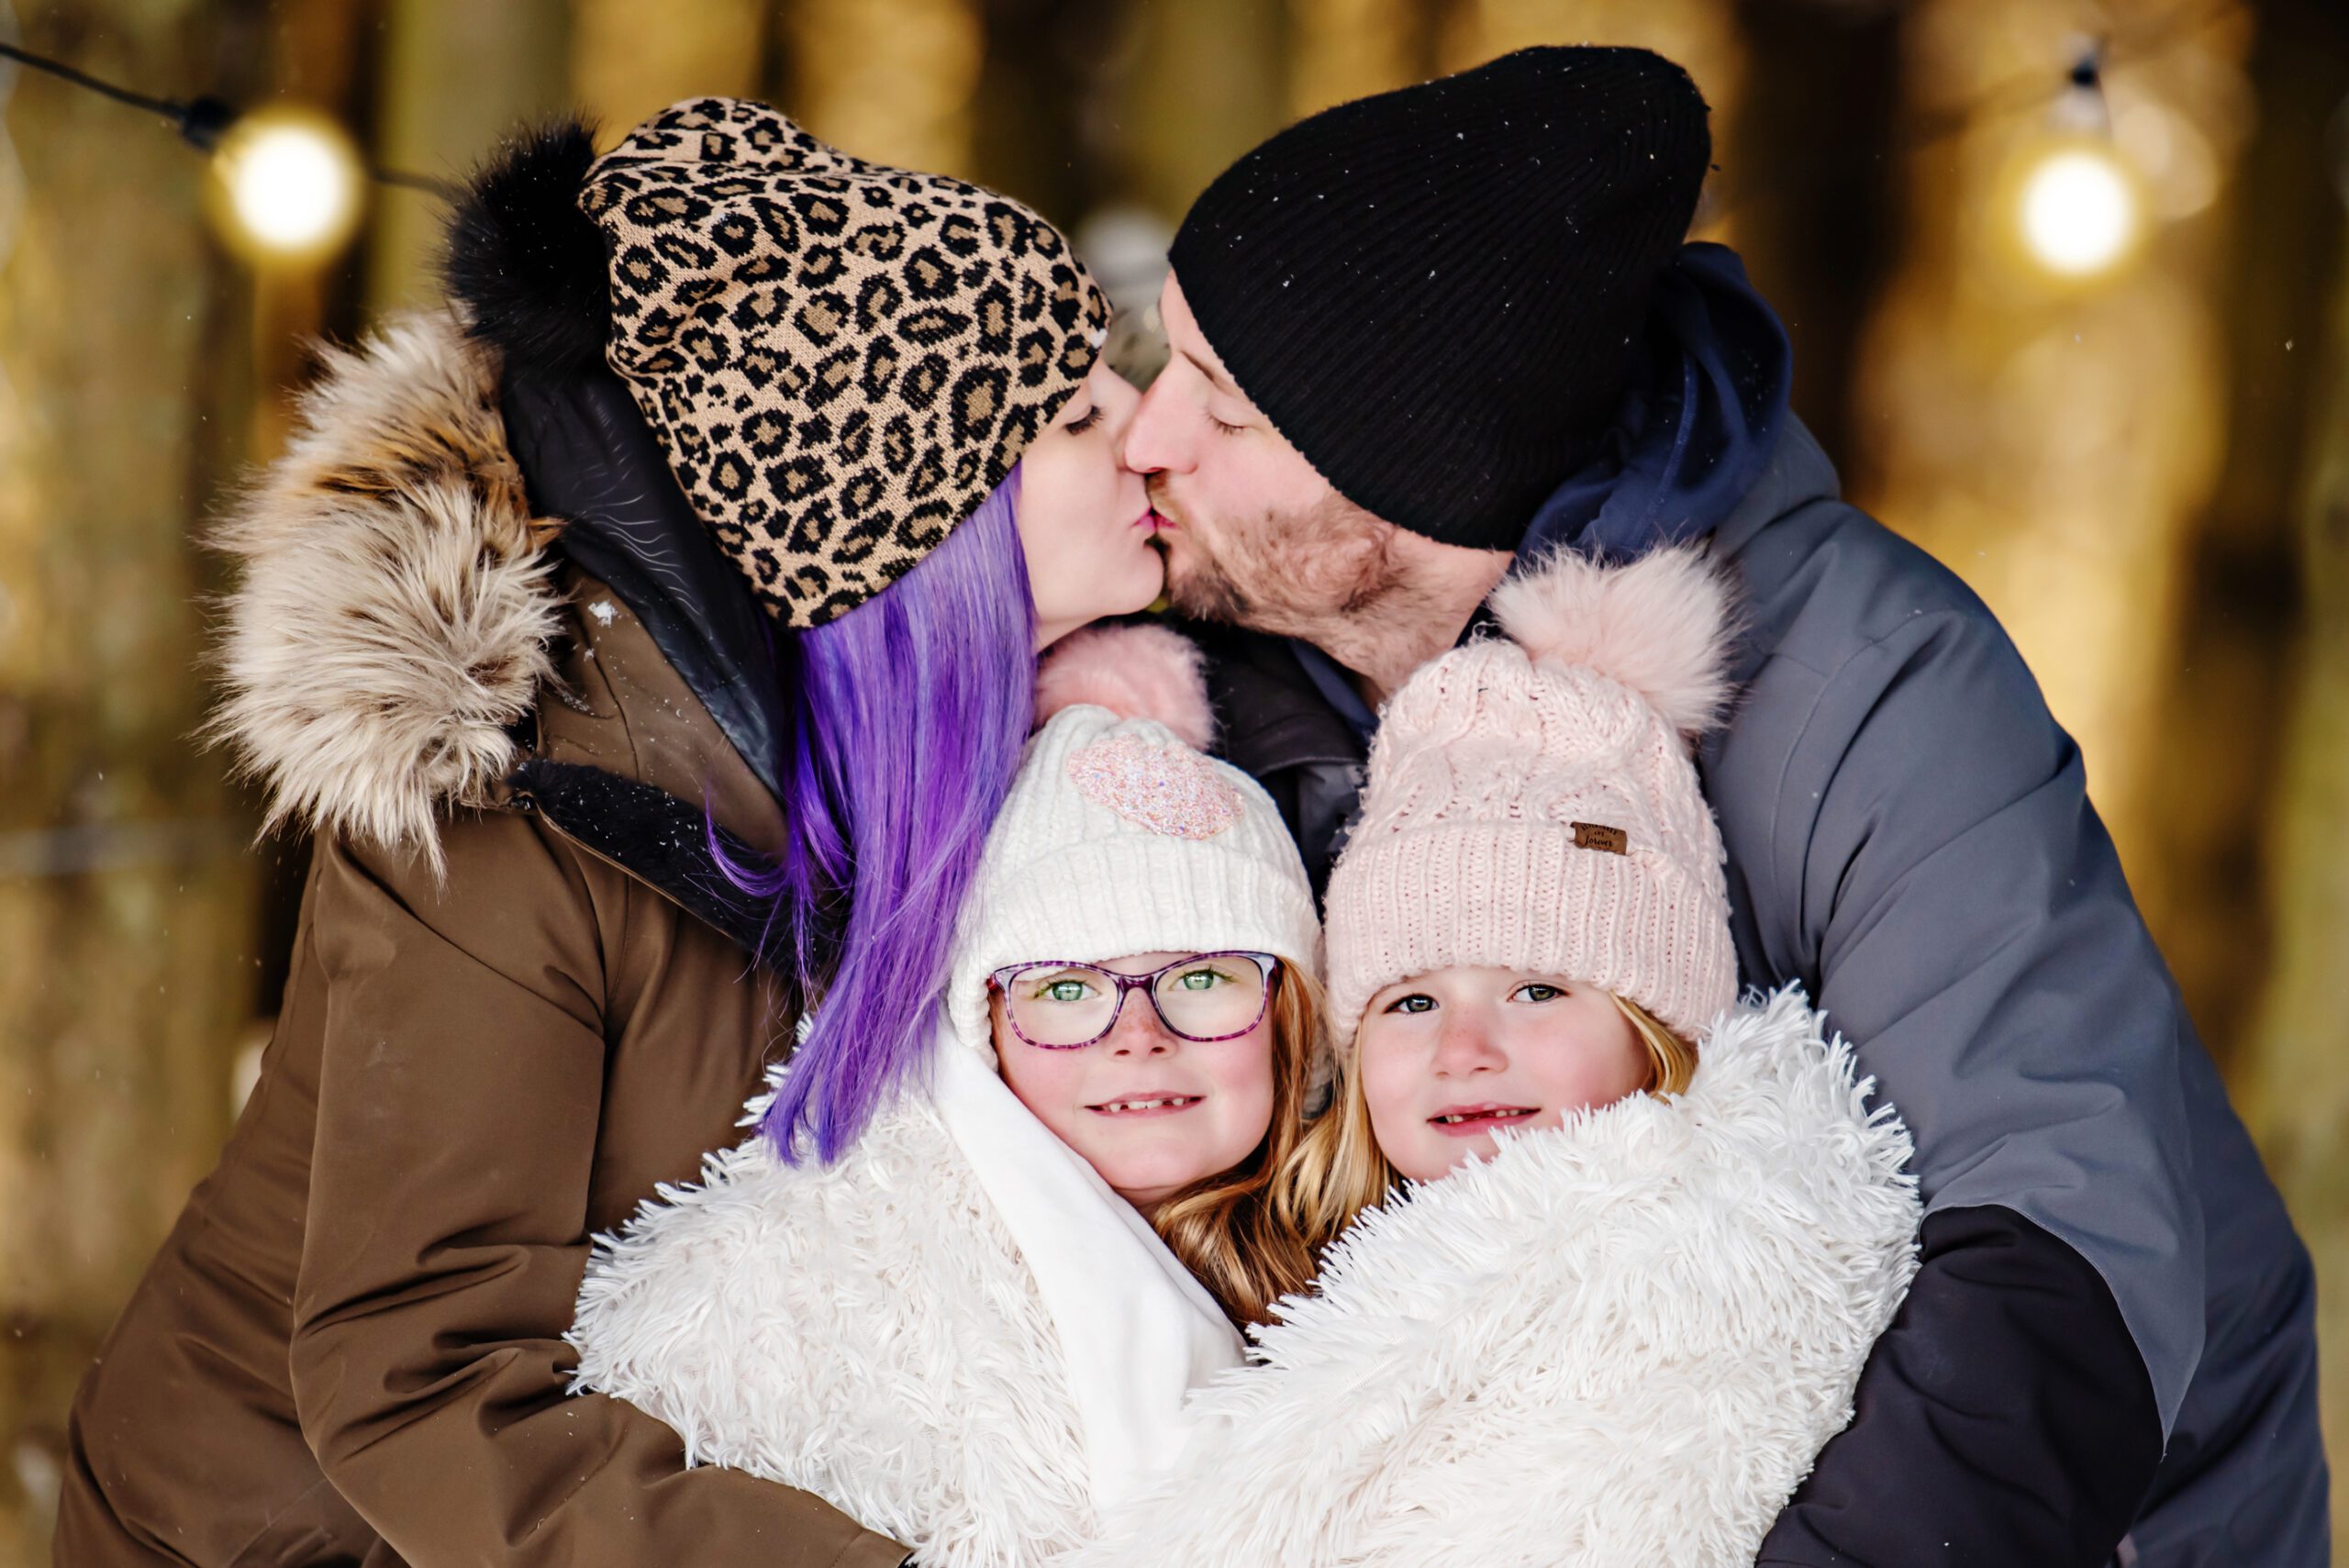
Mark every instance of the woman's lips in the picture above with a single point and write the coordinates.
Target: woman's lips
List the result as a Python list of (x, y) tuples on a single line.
[(1149, 519), (1473, 1121), (1131, 1105)]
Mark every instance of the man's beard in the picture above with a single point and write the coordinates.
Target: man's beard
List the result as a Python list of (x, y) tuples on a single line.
[(1292, 573)]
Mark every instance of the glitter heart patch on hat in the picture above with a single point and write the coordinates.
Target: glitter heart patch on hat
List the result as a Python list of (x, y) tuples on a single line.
[(1167, 789)]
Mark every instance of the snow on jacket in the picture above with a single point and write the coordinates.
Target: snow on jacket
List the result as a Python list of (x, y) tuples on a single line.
[(1621, 1342)]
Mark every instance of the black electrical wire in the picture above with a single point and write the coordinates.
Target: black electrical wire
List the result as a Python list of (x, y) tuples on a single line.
[(200, 122), (2128, 41)]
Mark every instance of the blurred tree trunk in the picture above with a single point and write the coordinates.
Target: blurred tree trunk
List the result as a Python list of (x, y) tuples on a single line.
[(1036, 131), (2203, 881), (1201, 82), (2292, 1076), (126, 900), (455, 76), (1806, 176), (1344, 50), (2055, 440), (627, 64), (888, 80)]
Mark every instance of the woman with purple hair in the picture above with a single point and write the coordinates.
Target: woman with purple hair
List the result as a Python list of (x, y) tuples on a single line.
[(649, 642)]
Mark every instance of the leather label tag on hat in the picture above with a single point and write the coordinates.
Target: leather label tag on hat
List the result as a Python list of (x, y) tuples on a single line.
[(1591, 836)]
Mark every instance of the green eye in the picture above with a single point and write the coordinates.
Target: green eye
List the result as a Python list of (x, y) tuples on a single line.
[(1535, 991), (1417, 1002), (1201, 980), (1068, 988)]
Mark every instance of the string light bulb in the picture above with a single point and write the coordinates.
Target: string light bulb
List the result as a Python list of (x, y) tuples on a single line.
[(286, 185), (2079, 208)]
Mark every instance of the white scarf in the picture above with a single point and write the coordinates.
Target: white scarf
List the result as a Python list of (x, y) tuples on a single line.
[(1137, 1332)]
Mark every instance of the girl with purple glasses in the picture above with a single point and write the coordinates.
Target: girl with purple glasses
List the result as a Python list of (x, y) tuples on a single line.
[(976, 1329)]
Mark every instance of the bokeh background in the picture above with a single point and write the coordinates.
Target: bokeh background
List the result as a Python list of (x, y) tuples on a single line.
[(2112, 391)]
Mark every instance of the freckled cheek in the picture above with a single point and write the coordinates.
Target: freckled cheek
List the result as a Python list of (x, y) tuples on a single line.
[(1241, 1080), (1049, 1084)]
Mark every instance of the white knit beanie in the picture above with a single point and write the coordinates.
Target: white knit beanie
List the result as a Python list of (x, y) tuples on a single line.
[(1121, 837), (1532, 804)]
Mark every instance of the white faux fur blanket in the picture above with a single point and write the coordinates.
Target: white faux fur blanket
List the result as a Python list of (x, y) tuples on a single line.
[(1623, 1341), (1619, 1342), (867, 1332)]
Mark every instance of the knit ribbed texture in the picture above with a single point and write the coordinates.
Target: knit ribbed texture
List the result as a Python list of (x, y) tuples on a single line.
[(1433, 294), (1118, 839), (842, 360), (1468, 852)]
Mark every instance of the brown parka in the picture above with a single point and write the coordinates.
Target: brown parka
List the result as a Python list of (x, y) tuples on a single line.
[(495, 1042)]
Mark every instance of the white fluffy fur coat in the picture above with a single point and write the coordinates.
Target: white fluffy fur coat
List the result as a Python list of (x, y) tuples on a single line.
[(1621, 1343), (866, 1331)]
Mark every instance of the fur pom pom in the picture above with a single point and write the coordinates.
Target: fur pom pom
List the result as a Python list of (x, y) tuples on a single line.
[(1135, 671), (528, 266), (1660, 625)]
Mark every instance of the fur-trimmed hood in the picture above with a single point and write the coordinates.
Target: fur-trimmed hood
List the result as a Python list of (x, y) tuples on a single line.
[(1622, 1341), (398, 606)]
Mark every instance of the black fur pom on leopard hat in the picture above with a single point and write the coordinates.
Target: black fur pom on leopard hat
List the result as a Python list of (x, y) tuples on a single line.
[(525, 262), (840, 359)]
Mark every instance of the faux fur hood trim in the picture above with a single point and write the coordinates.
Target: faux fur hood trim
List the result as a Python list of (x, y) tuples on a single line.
[(396, 607), (1624, 1341)]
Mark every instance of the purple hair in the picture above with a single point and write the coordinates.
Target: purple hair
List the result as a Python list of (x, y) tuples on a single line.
[(906, 718)]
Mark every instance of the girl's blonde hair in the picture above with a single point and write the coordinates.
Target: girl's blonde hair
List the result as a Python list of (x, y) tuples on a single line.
[(1227, 1229), (1338, 1171)]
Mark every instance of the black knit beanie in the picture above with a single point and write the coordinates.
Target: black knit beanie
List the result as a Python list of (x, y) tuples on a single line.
[(1434, 293)]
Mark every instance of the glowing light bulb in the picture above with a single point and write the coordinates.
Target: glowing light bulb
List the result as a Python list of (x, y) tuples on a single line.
[(288, 186), (2080, 210)]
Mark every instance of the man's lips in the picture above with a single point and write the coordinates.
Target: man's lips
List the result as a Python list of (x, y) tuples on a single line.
[(1155, 1104), (1165, 516), (1469, 1122), (1149, 520)]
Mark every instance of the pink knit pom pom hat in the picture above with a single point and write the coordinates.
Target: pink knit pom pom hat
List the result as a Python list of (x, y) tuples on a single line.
[(1532, 804)]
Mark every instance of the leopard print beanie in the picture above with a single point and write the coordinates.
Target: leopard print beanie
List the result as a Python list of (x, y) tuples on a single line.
[(842, 360)]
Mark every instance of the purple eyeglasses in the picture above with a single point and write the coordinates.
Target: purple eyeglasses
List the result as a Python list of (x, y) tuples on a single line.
[(1204, 997)]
